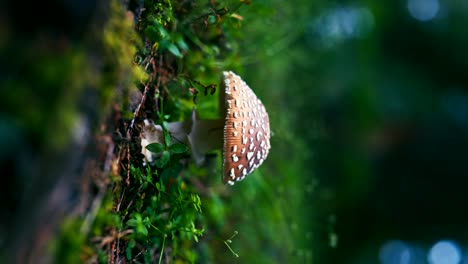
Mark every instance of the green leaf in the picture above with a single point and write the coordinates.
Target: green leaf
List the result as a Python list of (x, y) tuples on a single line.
[(165, 125), (162, 187), (141, 229), (178, 148), (155, 147), (128, 250), (167, 138), (182, 44), (152, 33), (212, 19), (132, 222), (162, 31), (174, 50), (164, 159), (146, 221)]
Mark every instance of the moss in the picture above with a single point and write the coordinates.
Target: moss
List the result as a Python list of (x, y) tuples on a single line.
[(120, 44)]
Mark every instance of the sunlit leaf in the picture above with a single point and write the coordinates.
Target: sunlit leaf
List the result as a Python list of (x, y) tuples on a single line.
[(182, 44), (167, 138), (174, 50), (212, 19), (165, 125), (141, 229), (161, 30)]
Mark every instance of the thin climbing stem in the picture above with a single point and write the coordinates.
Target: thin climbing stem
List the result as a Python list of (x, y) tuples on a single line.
[(162, 249)]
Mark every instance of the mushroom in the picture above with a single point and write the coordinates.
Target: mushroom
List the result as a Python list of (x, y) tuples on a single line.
[(243, 132), (246, 130)]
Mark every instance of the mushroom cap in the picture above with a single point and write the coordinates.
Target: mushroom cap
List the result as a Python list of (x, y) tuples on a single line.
[(246, 130)]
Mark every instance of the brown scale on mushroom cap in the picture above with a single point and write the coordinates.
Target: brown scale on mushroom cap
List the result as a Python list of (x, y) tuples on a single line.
[(246, 130)]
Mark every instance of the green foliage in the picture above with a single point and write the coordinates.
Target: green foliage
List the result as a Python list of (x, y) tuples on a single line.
[(166, 214), (167, 149), (161, 215), (68, 244)]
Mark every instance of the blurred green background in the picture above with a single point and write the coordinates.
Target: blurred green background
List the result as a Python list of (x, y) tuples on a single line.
[(375, 94), (368, 103)]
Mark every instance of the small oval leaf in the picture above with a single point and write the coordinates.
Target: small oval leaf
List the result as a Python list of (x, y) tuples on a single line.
[(178, 148), (164, 159), (155, 147), (165, 125), (167, 138)]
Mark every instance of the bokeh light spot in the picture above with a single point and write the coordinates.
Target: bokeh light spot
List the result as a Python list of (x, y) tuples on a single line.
[(395, 252), (423, 10), (341, 23), (444, 252)]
